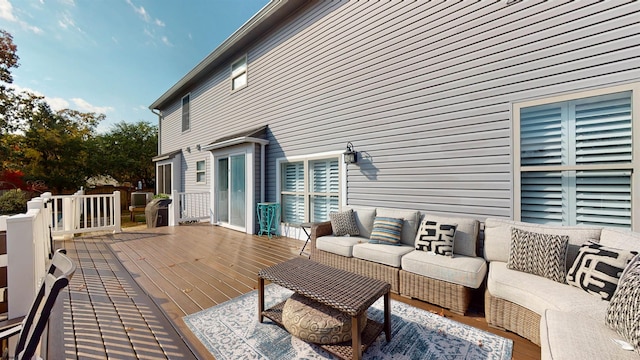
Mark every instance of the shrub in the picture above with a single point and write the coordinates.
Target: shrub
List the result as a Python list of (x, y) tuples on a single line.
[(13, 202)]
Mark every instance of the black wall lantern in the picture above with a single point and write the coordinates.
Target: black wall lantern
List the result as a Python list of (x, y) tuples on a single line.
[(350, 156)]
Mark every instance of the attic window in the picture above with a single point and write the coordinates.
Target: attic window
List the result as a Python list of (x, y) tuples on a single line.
[(239, 73)]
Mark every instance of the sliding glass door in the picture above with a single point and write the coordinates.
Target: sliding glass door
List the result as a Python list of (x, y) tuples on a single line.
[(231, 193)]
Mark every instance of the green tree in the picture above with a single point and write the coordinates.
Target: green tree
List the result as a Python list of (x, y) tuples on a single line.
[(126, 151), (58, 149)]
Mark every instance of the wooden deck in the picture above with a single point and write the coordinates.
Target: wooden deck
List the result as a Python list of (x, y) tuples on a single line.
[(132, 289)]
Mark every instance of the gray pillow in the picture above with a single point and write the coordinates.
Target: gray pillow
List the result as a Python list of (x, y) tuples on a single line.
[(343, 223), (538, 254)]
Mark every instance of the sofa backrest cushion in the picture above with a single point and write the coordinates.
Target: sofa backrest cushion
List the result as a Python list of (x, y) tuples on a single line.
[(364, 218), (497, 237), (620, 239), (466, 233), (410, 225)]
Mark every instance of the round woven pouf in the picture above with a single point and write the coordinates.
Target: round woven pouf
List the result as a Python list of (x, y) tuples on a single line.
[(317, 323)]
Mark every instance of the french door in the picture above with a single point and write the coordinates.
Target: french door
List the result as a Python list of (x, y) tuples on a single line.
[(231, 191)]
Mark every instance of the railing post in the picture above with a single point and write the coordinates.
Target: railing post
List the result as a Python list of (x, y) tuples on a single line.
[(21, 267), (174, 208), (116, 212)]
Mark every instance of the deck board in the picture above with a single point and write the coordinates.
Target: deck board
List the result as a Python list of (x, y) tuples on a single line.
[(178, 271)]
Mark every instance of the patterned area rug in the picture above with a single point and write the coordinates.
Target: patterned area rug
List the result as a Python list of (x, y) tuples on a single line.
[(231, 331)]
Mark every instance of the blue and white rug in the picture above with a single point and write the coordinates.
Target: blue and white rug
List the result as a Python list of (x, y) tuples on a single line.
[(231, 331)]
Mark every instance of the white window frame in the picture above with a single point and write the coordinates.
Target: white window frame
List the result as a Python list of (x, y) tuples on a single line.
[(202, 172), (187, 114), (306, 159), (634, 166), (240, 73)]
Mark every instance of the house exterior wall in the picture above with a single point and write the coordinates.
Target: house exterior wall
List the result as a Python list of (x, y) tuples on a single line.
[(423, 90)]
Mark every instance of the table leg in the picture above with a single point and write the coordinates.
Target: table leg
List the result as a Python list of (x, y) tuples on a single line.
[(387, 316), (260, 299), (356, 338)]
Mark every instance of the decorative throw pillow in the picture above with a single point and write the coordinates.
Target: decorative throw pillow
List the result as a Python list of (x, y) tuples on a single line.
[(597, 269), (386, 230), (344, 223), (436, 238), (538, 254), (623, 313)]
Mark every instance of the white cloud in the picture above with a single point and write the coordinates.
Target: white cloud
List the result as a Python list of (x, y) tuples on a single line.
[(56, 103), (65, 2), (6, 13), (66, 22), (159, 22), (84, 105), (166, 41)]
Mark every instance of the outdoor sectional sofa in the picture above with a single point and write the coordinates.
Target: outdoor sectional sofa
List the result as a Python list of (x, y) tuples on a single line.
[(566, 321), (442, 280)]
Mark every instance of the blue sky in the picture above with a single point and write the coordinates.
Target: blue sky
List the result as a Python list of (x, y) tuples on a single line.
[(115, 56)]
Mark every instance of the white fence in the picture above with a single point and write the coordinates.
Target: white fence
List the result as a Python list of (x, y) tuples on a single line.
[(79, 213), (187, 207)]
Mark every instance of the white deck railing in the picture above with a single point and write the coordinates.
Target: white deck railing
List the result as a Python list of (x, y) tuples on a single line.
[(79, 213), (187, 207)]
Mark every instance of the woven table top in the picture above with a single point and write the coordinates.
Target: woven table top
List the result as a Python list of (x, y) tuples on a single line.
[(348, 292)]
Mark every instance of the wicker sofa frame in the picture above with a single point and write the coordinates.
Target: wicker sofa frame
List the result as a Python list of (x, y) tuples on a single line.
[(442, 293), (505, 315)]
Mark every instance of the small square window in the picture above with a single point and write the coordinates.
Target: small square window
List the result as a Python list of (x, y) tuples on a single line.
[(239, 74), (201, 171)]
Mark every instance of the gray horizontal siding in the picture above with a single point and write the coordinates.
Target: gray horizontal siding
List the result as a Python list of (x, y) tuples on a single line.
[(422, 89)]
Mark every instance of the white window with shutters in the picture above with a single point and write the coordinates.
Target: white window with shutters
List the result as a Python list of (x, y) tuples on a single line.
[(309, 189), (576, 161)]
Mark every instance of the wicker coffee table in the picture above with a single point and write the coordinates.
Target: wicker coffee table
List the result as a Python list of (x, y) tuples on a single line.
[(350, 293)]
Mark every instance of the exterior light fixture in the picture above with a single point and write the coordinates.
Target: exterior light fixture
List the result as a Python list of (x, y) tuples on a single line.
[(350, 156)]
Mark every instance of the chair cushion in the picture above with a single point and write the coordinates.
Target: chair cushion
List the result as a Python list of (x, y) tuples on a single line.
[(597, 269), (497, 237), (539, 254), (317, 323), (381, 253), (466, 232), (364, 219), (386, 230), (538, 294), (435, 237), (344, 223), (621, 239), (623, 313), (410, 225), (340, 245), (462, 270), (570, 335)]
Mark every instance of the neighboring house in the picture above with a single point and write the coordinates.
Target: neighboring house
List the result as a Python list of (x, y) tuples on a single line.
[(518, 109)]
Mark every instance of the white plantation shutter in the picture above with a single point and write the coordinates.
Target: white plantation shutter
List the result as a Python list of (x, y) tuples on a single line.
[(325, 188), (293, 192), (585, 132)]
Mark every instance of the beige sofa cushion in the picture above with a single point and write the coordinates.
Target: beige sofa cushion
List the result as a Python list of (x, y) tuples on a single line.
[(340, 245), (620, 239), (410, 225), (539, 294), (497, 237), (462, 270), (381, 253), (466, 232), (364, 219), (567, 335)]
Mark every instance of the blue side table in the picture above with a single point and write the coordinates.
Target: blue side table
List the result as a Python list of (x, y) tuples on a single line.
[(269, 218)]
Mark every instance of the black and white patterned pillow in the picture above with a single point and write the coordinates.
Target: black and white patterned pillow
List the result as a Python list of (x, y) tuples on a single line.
[(538, 254), (344, 223), (623, 313), (597, 269), (436, 238)]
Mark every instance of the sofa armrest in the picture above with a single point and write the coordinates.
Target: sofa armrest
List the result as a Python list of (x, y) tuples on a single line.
[(318, 230)]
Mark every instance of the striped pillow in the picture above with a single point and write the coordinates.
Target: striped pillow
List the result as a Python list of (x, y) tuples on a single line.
[(386, 230)]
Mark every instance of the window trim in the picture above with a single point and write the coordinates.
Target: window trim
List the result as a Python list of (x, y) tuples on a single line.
[(245, 73), (516, 106), (188, 114), (203, 172), (306, 159)]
